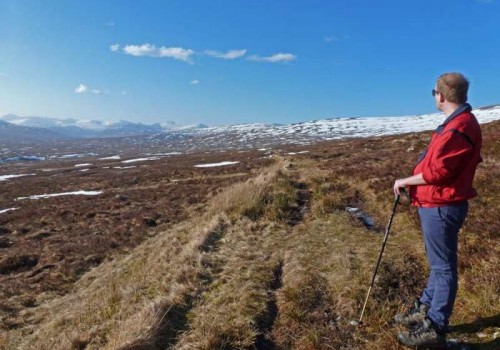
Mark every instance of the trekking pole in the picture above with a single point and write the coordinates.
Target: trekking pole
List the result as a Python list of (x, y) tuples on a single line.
[(396, 201)]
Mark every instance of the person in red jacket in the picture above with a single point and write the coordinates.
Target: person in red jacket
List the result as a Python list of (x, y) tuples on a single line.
[(440, 186)]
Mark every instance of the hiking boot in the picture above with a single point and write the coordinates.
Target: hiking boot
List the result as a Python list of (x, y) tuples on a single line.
[(413, 317), (426, 336)]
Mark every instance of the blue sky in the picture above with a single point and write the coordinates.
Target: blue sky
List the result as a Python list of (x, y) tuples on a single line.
[(227, 62)]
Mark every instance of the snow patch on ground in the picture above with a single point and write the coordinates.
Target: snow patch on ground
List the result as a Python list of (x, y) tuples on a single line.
[(210, 165), (6, 177), (76, 193), (6, 210), (82, 165), (294, 153), (168, 154), (111, 158), (139, 160), (77, 155)]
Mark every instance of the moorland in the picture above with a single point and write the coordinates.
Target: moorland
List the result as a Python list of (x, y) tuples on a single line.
[(261, 253)]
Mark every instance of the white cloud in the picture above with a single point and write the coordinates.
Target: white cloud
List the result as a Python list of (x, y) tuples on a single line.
[(177, 53), (230, 55), (96, 91), (81, 89), (194, 82), (114, 47), (123, 93), (276, 58)]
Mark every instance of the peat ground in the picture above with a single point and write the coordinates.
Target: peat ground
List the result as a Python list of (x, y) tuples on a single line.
[(261, 254)]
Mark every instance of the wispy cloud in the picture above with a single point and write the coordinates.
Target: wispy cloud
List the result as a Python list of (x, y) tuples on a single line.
[(83, 89), (230, 55), (334, 38), (330, 39), (177, 53), (276, 58), (80, 89), (110, 24), (194, 82), (186, 55)]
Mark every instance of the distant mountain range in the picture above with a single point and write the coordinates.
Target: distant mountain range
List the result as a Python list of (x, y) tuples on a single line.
[(257, 135), (13, 133), (37, 128)]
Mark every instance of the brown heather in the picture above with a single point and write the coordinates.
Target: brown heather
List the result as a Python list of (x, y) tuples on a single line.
[(276, 262)]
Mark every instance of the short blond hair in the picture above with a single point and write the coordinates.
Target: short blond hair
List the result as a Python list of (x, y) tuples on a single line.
[(453, 86)]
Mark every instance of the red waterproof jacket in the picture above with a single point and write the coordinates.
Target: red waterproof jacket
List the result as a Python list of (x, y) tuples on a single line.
[(450, 161)]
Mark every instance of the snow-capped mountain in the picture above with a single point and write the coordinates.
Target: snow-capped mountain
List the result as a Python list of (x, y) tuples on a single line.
[(16, 133), (240, 136), (45, 122), (93, 125), (72, 128)]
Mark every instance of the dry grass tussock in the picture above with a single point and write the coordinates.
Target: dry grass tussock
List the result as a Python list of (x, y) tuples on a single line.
[(270, 195)]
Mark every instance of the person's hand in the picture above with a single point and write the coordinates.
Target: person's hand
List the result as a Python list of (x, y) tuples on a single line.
[(398, 185)]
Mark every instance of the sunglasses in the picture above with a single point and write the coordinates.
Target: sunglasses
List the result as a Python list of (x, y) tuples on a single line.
[(435, 92)]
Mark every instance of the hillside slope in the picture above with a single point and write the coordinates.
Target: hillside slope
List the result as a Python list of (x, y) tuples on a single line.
[(10, 133), (276, 262)]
